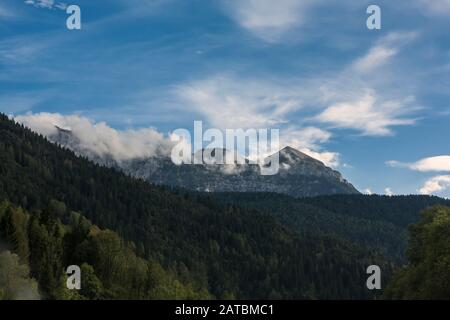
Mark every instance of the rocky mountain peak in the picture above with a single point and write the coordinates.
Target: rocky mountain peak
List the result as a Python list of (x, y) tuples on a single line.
[(300, 175), (291, 156)]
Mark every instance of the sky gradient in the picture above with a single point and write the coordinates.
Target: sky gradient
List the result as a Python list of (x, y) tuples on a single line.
[(371, 103)]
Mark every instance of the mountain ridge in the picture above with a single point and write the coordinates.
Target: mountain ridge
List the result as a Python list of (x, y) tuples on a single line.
[(300, 175)]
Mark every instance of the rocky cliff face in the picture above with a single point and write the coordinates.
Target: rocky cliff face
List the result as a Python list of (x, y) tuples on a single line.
[(299, 174)]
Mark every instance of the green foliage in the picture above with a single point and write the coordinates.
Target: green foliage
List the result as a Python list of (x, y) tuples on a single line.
[(427, 276), (110, 269), (46, 245), (91, 286), (198, 248), (164, 286), (15, 283), (13, 228)]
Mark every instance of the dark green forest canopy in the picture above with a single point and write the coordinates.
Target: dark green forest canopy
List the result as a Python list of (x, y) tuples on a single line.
[(373, 221), (226, 250)]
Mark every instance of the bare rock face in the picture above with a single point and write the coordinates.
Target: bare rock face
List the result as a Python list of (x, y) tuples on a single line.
[(299, 175)]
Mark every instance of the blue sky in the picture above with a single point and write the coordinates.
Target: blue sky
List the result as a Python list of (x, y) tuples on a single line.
[(372, 103)]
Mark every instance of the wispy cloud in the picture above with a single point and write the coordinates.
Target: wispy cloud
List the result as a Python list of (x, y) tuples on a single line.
[(228, 102), (368, 115), (439, 163), (383, 51), (47, 4), (268, 19), (376, 57), (347, 100), (360, 98), (308, 137), (19, 50)]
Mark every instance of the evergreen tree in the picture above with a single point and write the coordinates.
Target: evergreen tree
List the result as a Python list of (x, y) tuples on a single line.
[(427, 276)]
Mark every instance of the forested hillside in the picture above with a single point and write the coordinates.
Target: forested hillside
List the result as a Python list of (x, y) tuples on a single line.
[(221, 251), (376, 222), (427, 276), (110, 268)]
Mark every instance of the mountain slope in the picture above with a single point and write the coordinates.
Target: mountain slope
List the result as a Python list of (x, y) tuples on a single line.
[(44, 247), (299, 174), (233, 252), (376, 222), (426, 276)]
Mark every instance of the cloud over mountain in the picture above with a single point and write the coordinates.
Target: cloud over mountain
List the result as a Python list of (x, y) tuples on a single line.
[(99, 138)]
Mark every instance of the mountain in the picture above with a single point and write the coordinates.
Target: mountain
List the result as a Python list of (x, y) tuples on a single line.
[(299, 175), (222, 250)]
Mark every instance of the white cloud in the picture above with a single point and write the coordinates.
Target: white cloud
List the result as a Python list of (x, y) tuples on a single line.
[(309, 137), (376, 57), (383, 51), (229, 103), (343, 100), (361, 96), (368, 115), (439, 163), (368, 191), (268, 19), (226, 102), (330, 159), (388, 192), (41, 3), (308, 141), (61, 5), (98, 138), (435, 185), (47, 4)]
